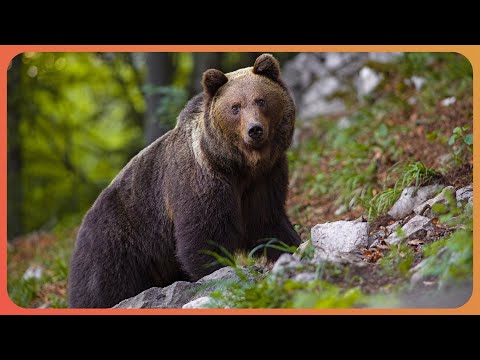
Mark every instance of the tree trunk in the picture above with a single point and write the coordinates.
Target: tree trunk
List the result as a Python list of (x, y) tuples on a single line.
[(201, 63), (159, 73), (14, 150)]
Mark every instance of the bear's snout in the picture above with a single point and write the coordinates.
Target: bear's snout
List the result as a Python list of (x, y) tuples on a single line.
[(256, 131)]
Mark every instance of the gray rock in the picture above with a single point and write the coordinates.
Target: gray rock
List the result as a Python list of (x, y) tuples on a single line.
[(172, 296), (33, 272), (367, 81), (304, 277), (339, 236), (344, 123), (202, 302), (314, 100), (228, 273), (392, 228), (448, 101), (418, 226), (409, 200), (384, 57), (444, 198), (418, 82), (183, 292), (285, 263), (464, 195)]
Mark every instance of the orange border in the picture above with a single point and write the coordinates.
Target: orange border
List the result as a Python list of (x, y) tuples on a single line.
[(7, 52)]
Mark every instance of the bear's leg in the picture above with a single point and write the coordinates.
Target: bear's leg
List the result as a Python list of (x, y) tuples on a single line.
[(264, 212), (208, 223)]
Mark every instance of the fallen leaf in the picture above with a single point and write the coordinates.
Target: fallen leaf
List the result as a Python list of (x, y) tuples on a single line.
[(416, 242)]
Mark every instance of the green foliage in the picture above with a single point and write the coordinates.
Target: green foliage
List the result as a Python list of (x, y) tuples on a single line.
[(397, 262), (54, 261), (325, 295), (461, 142), (272, 244), (272, 292), (172, 101), (80, 122), (450, 259), (413, 174)]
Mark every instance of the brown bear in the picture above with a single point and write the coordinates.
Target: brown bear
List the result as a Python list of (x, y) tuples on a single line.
[(220, 177)]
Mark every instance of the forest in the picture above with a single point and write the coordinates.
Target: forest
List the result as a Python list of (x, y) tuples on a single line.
[(369, 126)]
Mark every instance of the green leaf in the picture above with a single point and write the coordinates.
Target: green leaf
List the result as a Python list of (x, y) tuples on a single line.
[(457, 130), (468, 139), (452, 139)]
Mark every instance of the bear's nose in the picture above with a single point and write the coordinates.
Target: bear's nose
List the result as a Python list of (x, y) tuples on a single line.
[(255, 131)]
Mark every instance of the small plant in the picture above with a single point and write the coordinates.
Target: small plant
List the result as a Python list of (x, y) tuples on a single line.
[(273, 244), (461, 143), (450, 259), (398, 261), (411, 174)]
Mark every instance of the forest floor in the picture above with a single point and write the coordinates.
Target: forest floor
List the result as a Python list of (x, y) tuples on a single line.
[(338, 173)]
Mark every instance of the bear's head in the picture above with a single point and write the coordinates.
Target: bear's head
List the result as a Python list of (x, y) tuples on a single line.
[(249, 115)]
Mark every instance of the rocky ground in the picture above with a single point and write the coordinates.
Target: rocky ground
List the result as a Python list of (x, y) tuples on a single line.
[(355, 245)]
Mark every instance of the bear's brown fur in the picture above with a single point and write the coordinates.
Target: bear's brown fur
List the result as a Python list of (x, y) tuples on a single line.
[(219, 177)]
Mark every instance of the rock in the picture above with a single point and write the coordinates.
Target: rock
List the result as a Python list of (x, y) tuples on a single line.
[(286, 262), (417, 227), (344, 123), (409, 199), (202, 302), (448, 101), (172, 296), (444, 198), (384, 57), (392, 228), (314, 99), (367, 81), (464, 195), (33, 272), (418, 82), (339, 237), (304, 277), (229, 273), (182, 292)]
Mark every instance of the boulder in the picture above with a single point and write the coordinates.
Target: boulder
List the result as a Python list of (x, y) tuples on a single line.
[(180, 293), (418, 226), (367, 81), (464, 195), (200, 303), (444, 198), (172, 296), (332, 238), (410, 198)]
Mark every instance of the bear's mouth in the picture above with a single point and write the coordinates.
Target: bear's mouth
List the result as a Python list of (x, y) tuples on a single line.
[(253, 145)]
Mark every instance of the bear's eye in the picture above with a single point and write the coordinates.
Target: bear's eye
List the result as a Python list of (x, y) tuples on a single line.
[(236, 108), (260, 102)]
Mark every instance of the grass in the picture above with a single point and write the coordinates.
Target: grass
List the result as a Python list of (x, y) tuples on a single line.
[(48, 251), (413, 174)]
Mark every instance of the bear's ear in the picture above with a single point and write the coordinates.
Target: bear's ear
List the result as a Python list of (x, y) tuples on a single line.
[(268, 66), (212, 80)]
